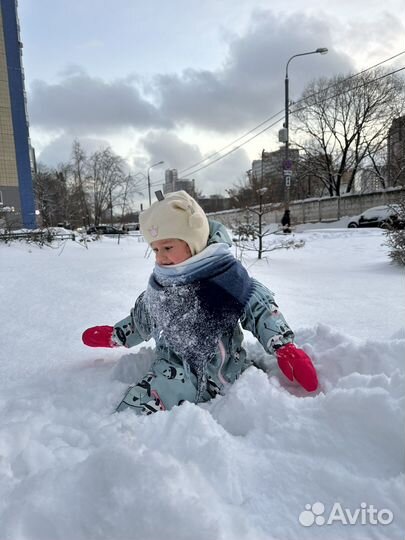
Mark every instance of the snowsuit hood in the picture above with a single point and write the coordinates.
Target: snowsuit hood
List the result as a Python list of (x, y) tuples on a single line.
[(218, 234)]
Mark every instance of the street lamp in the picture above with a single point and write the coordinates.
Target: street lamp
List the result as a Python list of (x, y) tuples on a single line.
[(287, 165), (149, 168)]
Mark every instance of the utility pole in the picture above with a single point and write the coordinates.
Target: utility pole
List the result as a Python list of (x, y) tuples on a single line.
[(148, 176), (283, 134)]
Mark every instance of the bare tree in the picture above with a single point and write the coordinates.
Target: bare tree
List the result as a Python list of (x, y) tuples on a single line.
[(341, 123), (79, 166), (106, 178), (241, 194), (251, 229), (85, 190), (51, 194), (383, 168), (245, 192), (130, 187)]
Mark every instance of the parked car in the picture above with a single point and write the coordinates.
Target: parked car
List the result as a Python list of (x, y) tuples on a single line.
[(65, 225), (131, 227), (379, 216), (104, 229)]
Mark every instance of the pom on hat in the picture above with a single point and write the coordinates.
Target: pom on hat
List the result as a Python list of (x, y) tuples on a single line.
[(179, 216)]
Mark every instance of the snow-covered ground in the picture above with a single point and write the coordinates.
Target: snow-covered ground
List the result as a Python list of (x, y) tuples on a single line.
[(245, 466)]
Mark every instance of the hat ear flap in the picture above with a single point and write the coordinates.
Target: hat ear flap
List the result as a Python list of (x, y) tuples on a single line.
[(196, 221), (182, 205)]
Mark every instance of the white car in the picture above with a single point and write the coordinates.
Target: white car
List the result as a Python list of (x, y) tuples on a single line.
[(378, 216)]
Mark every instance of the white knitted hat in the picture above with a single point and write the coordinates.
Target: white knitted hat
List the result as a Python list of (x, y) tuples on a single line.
[(177, 216)]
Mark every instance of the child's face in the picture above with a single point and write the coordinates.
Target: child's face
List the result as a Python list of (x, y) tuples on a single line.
[(171, 251)]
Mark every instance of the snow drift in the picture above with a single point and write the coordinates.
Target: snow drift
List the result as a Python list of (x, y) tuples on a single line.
[(243, 466)]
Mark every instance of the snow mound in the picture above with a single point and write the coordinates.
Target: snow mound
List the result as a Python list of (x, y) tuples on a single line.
[(133, 366), (240, 467)]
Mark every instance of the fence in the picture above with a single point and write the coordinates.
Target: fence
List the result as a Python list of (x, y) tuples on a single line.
[(317, 210), (40, 236)]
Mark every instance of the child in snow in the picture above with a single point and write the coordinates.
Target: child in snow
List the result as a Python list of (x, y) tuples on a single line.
[(197, 299)]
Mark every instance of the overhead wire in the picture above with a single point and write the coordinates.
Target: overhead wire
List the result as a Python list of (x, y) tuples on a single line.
[(281, 112), (295, 111)]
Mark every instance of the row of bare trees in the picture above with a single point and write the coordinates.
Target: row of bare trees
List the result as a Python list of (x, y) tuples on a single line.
[(342, 128), (89, 189)]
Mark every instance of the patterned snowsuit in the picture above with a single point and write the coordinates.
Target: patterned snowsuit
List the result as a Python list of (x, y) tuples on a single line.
[(170, 381)]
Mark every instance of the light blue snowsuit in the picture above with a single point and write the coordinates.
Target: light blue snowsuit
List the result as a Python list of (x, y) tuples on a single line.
[(170, 381)]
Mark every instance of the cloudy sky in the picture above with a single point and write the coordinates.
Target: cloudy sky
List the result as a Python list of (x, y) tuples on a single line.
[(177, 80)]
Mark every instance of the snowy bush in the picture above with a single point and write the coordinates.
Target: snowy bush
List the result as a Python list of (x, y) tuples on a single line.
[(396, 236), (244, 230)]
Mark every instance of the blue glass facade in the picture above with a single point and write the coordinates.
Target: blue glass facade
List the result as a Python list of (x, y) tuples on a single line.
[(18, 110)]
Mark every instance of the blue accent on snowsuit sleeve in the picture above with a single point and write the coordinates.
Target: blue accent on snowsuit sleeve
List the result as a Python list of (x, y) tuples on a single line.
[(135, 328), (263, 318)]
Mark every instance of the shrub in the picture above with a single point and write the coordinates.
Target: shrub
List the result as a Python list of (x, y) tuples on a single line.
[(396, 236)]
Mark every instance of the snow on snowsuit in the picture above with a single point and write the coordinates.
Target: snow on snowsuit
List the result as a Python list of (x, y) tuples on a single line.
[(174, 377)]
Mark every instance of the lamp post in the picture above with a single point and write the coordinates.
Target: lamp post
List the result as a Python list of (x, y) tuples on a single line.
[(287, 165), (149, 168)]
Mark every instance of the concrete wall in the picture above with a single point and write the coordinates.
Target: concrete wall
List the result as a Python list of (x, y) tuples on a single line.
[(315, 210)]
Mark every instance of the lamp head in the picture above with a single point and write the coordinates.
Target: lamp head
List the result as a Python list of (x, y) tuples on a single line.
[(322, 50)]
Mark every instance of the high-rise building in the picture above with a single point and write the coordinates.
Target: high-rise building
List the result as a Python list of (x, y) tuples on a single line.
[(268, 171), (271, 163), (174, 183), (396, 152), (16, 189)]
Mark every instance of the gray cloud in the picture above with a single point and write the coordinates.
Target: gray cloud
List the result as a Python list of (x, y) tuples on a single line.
[(249, 87), (60, 149), (178, 154), (83, 104), (382, 36), (245, 90), (167, 146), (224, 173)]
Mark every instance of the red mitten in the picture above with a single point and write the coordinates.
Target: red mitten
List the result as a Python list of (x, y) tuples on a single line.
[(296, 364), (99, 336)]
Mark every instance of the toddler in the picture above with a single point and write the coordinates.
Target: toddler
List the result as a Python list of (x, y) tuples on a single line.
[(198, 299)]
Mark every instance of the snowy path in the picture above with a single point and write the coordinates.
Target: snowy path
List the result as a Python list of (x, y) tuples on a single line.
[(241, 467)]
